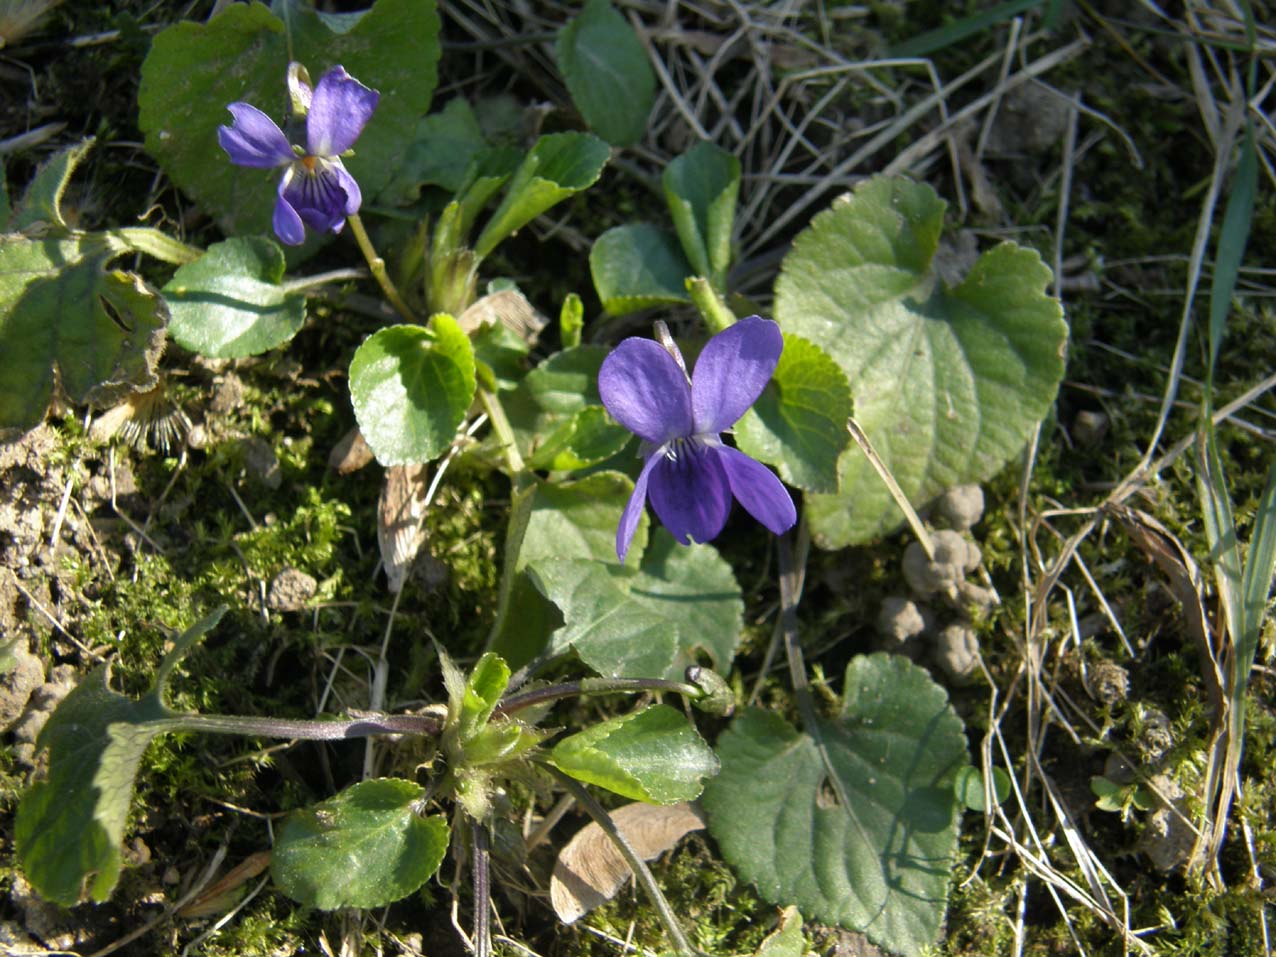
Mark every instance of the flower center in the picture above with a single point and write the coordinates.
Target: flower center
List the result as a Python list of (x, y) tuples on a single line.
[(309, 162)]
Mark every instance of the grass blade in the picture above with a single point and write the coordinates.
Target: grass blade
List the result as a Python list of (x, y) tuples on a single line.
[(945, 36), (1256, 582), (1232, 239)]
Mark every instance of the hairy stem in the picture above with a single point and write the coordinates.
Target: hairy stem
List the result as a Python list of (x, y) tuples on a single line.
[(504, 432), (362, 726), (377, 265), (571, 689)]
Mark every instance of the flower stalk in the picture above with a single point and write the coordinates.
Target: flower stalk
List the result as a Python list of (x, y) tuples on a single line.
[(377, 265)]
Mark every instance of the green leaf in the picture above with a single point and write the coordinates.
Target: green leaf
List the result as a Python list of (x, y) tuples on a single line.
[(483, 690), (948, 383), (69, 826), (558, 166), (488, 171), (653, 755), (701, 187), (574, 519), (969, 788), (638, 266), (587, 438), (553, 393), (571, 320), (40, 208), (854, 821), (439, 154), (229, 303), (410, 387), (607, 73), (366, 847), (194, 70), (649, 622), (787, 941), (798, 423), (1233, 236), (65, 317)]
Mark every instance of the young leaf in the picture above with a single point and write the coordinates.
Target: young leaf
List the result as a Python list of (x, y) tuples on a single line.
[(798, 423), (787, 941), (69, 826), (410, 387), (701, 187), (229, 304), (649, 622), (65, 317), (855, 821), (558, 166), (653, 755), (637, 266), (948, 382), (483, 690), (41, 203), (607, 73), (194, 70), (366, 847)]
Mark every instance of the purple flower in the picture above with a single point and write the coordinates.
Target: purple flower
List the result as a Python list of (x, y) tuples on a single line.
[(316, 190), (689, 473)]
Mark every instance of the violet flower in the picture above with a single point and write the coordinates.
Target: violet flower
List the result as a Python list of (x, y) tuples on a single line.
[(316, 190), (690, 475)]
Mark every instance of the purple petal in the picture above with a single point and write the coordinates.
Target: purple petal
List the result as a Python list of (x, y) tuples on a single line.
[(287, 223), (354, 195), (645, 391), (758, 490), (691, 493), (732, 371), (339, 109), (255, 140), (318, 195), (633, 508)]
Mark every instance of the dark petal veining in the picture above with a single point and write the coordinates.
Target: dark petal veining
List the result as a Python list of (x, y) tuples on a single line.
[(254, 139), (318, 197), (690, 492), (732, 371), (339, 109), (645, 391)]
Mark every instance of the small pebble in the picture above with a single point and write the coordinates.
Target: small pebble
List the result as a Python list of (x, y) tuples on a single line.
[(961, 507)]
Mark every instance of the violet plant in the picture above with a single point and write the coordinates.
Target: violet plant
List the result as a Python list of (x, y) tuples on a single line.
[(586, 580)]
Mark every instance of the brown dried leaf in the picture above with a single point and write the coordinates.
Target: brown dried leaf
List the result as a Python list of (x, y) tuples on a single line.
[(1187, 585), (590, 870), (509, 307), (215, 899), (400, 529), (350, 454)]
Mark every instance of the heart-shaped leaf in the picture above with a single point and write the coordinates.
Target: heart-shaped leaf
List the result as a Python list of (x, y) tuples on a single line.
[(66, 317), (69, 826), (229, 303), (607, 73), (194, 70), (411, 387), (652, 755), (798, 423), (366, 847), (558, 166), (648, 622), (638, 266), (854, 821), (948, 381), (565, 520)]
